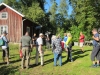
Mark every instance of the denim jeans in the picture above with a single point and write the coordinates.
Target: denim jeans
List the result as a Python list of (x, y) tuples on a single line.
[(57, 57)]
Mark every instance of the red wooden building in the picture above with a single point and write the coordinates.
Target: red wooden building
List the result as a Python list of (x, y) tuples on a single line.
[(14, 23)]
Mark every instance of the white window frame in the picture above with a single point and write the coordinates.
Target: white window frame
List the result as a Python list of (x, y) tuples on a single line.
[(2, 30), (2, 14)]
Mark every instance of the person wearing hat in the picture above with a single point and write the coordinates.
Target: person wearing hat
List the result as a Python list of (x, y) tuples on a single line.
[(39, 49), (5, 47)]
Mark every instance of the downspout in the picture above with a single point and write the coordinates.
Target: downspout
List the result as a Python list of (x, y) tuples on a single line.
[(22, 25)]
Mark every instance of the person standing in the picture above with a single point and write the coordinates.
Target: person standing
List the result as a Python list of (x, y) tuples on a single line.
[(69, 47), (64, 40), (48, 42), (34, 39), (65, 37), (81, 41), (39, 49), (57, 50), (96, 48), (25, 45), (5, 48)]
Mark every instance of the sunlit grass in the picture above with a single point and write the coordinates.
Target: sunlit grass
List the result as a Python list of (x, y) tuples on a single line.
[(80, 66)]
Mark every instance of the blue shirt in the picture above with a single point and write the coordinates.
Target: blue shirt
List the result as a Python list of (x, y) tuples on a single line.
[(65, 38), (95, 43)]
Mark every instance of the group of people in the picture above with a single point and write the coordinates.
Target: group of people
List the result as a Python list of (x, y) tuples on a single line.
[(57, 45), (26, 45)]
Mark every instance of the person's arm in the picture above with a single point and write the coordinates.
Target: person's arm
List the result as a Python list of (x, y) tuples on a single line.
[(5, 39), (31, 45), (95, 38), (40, 44), (20, 44)]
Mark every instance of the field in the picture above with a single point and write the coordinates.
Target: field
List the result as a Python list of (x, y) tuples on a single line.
[(80, 66)]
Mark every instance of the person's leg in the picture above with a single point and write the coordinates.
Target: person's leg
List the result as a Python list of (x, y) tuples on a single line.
[(98, 56), (7, 56), (49, 45), (68, 58), (37, 56), (60, 59), (23, 58), (71, 59), (55, 59), (27, 57), (94, 54), (8, 51), (81, 46), (42, 59), (3, 55)]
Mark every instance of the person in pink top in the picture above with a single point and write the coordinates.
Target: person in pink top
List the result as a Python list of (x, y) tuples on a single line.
[(81, 41)]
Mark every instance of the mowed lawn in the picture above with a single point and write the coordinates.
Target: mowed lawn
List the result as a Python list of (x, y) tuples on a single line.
[(80, 66)]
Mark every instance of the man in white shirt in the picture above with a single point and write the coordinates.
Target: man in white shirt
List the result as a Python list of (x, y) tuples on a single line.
[(39, 48)]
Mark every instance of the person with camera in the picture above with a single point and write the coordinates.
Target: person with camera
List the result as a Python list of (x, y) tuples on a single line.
[(96, 48)]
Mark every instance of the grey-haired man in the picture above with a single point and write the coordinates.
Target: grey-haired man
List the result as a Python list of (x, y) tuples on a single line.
[(39, 49)]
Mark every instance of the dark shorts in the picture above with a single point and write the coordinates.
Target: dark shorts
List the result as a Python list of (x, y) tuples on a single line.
[(5, 52)]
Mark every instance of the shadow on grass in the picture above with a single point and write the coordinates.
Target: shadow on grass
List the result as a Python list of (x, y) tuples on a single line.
[(75, 52), (8, 70), (15, 61), (79, 56), (13, 56), (46, 62)]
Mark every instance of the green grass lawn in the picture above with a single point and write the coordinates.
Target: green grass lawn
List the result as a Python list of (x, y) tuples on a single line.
[(80, 66)]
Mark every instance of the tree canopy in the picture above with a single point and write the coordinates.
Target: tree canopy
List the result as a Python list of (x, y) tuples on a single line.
[(84, 17)]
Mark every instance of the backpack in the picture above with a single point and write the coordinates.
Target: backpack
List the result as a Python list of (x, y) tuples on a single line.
[(1, 42), (72, 43)]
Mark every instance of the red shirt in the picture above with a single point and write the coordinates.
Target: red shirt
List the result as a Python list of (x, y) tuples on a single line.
[(81, 39)]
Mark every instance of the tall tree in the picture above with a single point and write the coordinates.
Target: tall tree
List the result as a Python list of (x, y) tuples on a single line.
[(63, 14), (84, 14), (53, 11), (63, 8)]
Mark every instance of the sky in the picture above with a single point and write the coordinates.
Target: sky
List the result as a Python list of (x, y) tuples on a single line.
[(48, 5)]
